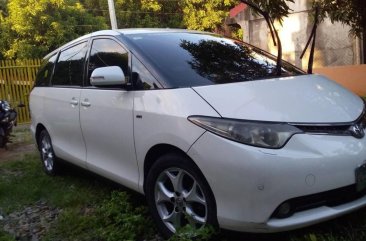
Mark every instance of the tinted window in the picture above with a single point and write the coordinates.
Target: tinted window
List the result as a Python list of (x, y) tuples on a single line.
[(141, 77), (70, 66), (107, 52), (191, 59), (45, 71)]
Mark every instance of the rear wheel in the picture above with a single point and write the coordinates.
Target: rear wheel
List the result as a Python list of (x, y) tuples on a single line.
[(50, 163), (178, 194)]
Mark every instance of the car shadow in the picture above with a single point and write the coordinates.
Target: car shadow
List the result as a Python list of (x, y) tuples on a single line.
[(71, 170)]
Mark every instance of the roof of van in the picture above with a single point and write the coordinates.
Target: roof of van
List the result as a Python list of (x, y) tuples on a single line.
[(126, 31)]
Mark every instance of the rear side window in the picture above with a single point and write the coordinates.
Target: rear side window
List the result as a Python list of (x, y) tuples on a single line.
[(70, 66), (107, 52), (45, 71)]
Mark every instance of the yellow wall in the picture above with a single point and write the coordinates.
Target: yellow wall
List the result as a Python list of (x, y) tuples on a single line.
[(352, 77)]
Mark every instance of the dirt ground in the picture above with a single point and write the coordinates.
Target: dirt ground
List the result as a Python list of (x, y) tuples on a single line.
[(22, 145)]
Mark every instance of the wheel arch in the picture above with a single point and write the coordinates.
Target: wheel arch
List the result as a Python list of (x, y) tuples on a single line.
[(161, 149), (157, 151), (40, 127)]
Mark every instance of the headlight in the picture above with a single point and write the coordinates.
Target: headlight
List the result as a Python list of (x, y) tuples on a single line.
[(255, 133)]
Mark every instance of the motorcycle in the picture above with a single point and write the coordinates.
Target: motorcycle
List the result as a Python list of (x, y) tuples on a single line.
[(8, 119)]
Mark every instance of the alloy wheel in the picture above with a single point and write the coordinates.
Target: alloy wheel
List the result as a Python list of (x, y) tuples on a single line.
[(179, 199), (47, 153)]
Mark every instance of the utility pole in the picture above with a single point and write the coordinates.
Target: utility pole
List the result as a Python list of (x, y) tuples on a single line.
[(112, 14)]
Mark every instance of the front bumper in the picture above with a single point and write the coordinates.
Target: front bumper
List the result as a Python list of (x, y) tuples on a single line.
[(249, 183)]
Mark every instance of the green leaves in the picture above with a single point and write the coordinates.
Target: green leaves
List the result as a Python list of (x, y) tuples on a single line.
[(351, 12), (277, 9), (205, 15), (119, 220), (33, 28)]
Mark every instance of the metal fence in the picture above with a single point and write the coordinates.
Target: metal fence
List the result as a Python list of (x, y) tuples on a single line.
[(16, 81)]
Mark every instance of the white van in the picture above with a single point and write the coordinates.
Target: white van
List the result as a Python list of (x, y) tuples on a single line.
[(205, 127)]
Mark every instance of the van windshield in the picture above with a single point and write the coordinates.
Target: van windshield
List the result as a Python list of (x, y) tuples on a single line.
[(193, 59)]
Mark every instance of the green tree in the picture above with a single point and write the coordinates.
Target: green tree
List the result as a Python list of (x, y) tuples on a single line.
[(140, 13), (34, 27), (3, 9), (3, 29), (351, 12), (209, 15), (148, 13), (97, 8), (205, 15), (277, 9)]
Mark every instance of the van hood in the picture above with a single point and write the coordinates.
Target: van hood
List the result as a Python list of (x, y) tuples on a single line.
[(300, 99)]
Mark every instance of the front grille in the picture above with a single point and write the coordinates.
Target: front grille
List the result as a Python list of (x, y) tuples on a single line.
[(330, 198), (331, 129), (334, 128)]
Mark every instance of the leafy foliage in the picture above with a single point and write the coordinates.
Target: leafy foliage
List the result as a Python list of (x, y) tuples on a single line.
[(205, 15), (277, 9), (119, 220), (147, 13), (34, 27), (3, 10), (188, 233), (351, 12), (139, 13), (31, 28)]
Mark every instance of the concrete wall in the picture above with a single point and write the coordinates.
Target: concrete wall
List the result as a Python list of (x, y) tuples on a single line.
[(334, 46)]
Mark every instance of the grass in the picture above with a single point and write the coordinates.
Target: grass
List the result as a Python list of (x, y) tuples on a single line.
[(96, 209), (22, 135), (92, 208), (24, 182)]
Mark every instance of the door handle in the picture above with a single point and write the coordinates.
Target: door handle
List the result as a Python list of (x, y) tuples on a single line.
[(85, 103), (74, 101)]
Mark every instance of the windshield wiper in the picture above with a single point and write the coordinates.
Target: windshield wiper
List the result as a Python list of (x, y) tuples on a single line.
[(312, 37), (275, 37)]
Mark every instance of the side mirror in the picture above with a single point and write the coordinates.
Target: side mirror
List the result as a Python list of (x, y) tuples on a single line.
[(107, 76)]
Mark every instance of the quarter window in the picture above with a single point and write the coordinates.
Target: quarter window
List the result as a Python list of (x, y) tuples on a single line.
[(70, 66), (45, 72), (141, 77), (107, 52)]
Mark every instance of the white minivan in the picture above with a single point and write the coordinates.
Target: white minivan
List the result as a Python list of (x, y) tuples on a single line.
[(205, 126)]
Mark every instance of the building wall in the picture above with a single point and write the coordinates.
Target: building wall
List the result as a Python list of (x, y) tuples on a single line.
[(334, 45), (352, 77)]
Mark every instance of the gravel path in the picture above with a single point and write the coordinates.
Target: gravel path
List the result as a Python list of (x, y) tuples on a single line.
[(16, 152), (31, 223)]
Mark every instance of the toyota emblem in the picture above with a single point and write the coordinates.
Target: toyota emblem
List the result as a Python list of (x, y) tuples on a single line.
[(357, 131)]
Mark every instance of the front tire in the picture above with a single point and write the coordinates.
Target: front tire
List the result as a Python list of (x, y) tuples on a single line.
[(178, 194), (49, 160)]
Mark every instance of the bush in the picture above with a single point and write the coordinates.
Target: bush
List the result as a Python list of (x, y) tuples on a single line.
[(119, 220)]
